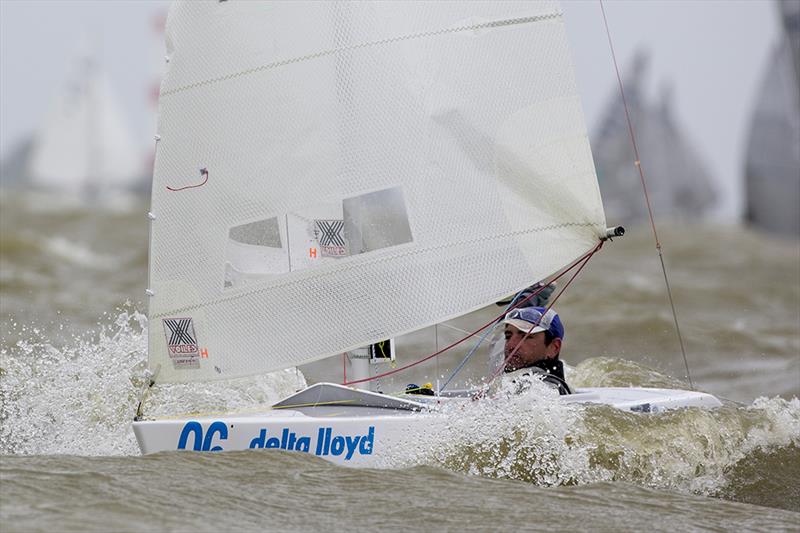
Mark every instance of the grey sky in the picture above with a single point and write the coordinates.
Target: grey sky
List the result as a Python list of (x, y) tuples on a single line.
[(713, 52)]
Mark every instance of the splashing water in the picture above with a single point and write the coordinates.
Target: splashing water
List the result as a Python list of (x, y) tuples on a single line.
[(536, 438), (72, 399), (80, 398)]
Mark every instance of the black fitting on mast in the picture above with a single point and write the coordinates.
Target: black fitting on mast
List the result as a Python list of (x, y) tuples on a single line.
[(616, 231)]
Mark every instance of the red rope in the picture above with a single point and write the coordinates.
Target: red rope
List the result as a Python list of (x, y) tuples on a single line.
[(501, 368), (638, 161), (583, 259), (203, 172)]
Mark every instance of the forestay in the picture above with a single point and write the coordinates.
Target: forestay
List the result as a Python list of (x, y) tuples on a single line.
[(372, 169)]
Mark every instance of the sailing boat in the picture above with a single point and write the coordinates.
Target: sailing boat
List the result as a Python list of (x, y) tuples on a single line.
[(772, 168), (681, 186), (376, 173), (84, 146)]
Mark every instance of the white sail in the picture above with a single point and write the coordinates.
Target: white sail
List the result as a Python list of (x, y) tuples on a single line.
[(410, 161), (84, 142)]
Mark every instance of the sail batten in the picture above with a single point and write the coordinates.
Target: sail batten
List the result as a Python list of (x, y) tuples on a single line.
[(370, 192)]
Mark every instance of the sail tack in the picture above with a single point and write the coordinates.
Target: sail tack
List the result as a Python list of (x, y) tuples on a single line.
[(373, 168)]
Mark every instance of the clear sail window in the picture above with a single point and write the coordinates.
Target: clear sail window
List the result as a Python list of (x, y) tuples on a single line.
[(376, 220), (353, 226), (316, 235), (254, 252)]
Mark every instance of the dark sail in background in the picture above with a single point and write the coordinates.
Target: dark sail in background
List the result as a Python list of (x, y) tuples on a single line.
[(678, 181), (772, 168), (14, 167)]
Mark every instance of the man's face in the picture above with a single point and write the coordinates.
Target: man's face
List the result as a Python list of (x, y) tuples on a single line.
[(530, 350)]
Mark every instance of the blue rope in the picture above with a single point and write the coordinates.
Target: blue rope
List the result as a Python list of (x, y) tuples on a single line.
[(477, 344)]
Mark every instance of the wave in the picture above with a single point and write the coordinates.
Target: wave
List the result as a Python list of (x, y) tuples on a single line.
[(537, 439), (79, 399), (243, 491)]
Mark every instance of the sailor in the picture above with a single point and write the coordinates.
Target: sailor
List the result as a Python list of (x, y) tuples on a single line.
[(534, 336)]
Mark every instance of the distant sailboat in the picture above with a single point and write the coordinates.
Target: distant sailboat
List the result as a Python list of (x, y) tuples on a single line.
[(84, 145), (679, 183), (14, 166), (772, 171)]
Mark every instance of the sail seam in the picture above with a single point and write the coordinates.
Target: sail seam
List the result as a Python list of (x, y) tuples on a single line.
[(332, 51), (372, 262)]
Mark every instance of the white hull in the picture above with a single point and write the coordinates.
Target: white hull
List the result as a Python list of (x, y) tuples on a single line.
[(358, 428)]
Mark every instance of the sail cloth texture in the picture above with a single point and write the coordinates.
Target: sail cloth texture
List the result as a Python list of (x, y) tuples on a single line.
[(412, 161)]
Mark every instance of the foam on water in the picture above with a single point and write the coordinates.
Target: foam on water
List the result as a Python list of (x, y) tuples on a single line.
[(536, 438)]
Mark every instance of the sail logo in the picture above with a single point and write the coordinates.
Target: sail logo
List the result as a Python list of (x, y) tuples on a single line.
[(182, 342), (329, 234)]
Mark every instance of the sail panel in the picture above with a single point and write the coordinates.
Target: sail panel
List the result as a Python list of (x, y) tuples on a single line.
[(372, 169)]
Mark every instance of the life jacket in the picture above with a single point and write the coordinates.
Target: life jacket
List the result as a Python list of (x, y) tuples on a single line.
[(551, 371)]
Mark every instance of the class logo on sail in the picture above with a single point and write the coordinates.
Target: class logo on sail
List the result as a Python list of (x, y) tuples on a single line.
[(329, 234), (182, 342)]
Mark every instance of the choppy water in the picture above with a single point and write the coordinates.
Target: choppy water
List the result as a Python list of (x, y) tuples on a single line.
[(73, 357)]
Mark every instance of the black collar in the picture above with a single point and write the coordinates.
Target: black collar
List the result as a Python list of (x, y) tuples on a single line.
[(551, 366)]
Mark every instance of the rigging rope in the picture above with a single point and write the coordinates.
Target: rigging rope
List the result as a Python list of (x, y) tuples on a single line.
[(638, 164), (580, 261), (514, 303), (499, 370)]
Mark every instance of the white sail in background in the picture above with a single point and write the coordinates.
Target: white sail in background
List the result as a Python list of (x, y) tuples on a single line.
[(84, 143), (435, 152)]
